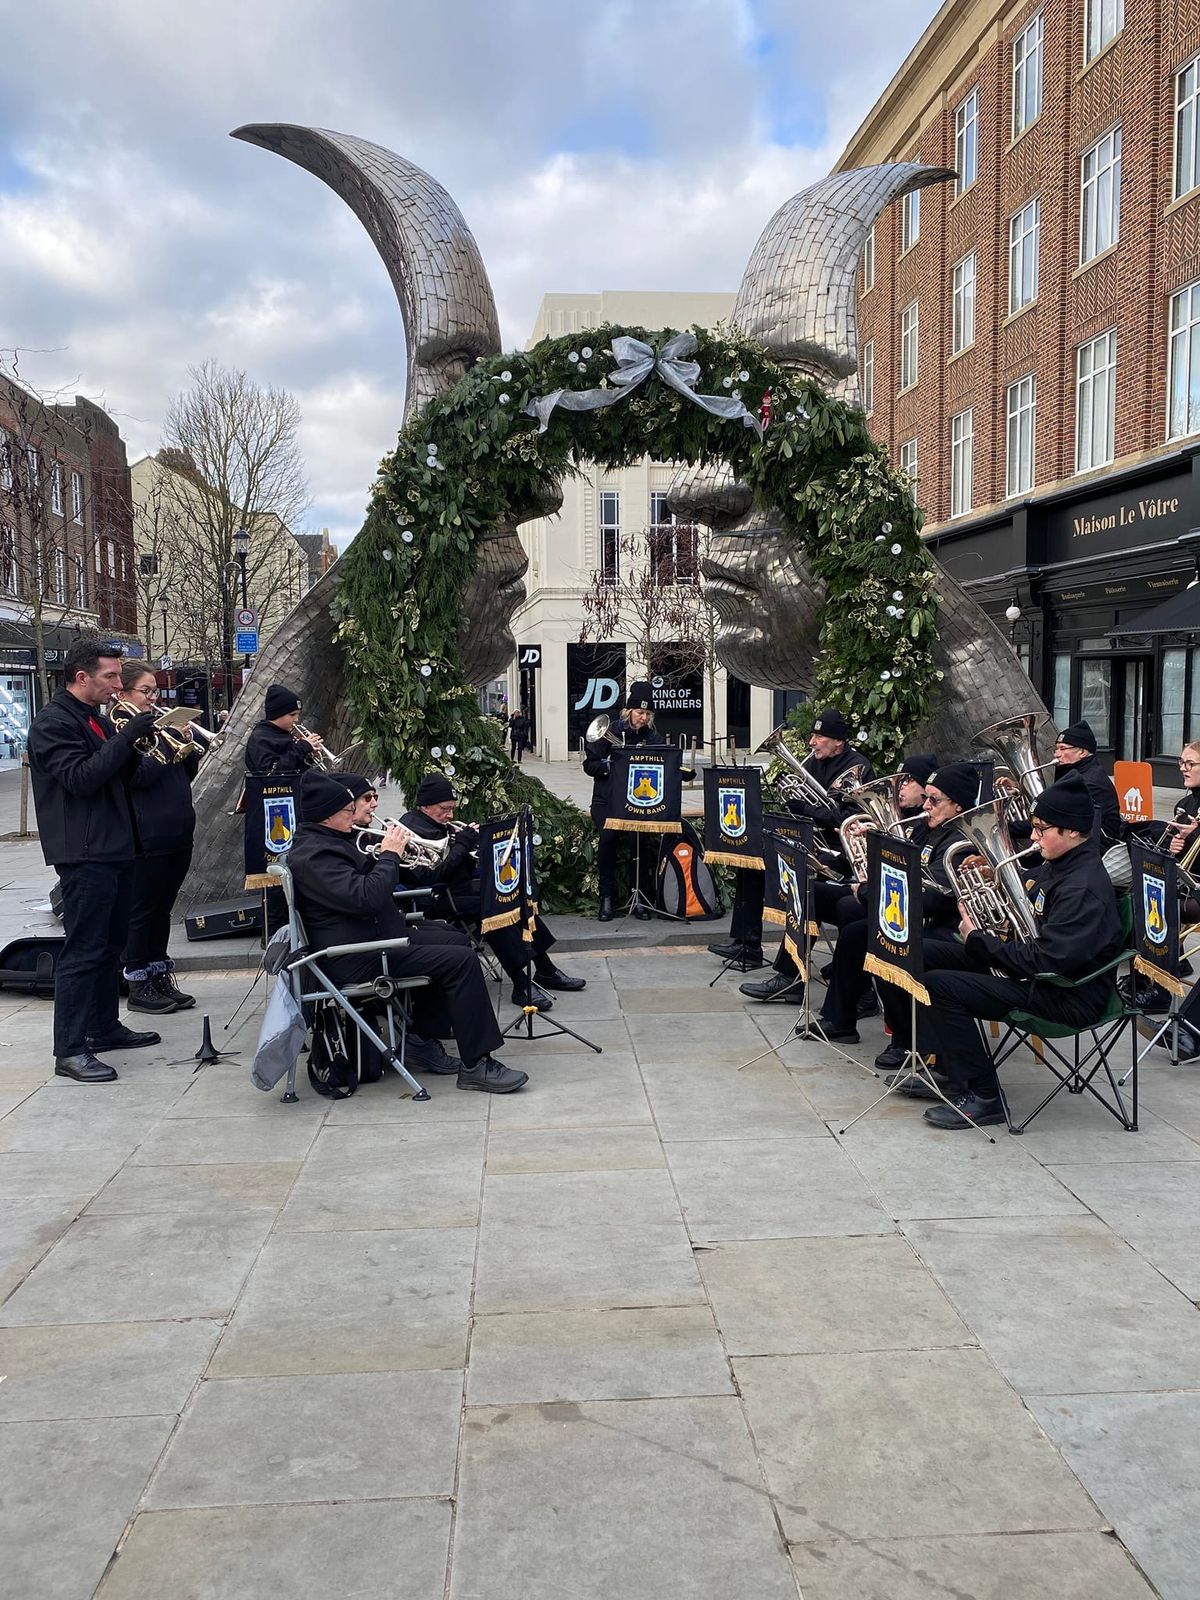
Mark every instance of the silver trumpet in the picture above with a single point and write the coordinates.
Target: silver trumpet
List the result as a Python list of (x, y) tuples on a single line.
[(1015, 741), (983, 873), (600, 729), (326, 759), (417, 852)]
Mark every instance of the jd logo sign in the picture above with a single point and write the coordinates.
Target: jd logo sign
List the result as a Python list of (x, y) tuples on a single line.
[(599, 695), (529, 657), (595, 683)]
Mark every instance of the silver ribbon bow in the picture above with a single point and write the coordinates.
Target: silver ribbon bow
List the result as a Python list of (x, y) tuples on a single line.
[(636, 360)]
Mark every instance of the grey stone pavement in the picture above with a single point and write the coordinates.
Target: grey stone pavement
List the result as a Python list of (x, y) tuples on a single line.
[(651, 1327)]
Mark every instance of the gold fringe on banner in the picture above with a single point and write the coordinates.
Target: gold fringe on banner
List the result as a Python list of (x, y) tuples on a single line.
[(728, 859), (1159, 976), (789, 944), (777, 917), (897, 975), (502, 919), (620, 825), (813, 930), (261, 880)]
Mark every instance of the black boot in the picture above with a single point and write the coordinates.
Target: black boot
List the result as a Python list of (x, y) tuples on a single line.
[(785, 986), (606, 912), (521, 996), (165, 984), (642, 913), (123, 1038), (891, 1059), (145, 995), (748, 956)]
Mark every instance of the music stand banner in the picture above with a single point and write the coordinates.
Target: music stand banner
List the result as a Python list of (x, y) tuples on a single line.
[(270, 826), (645, 790), (529, 888), (733, 820), (793, 831), (895, 914), (791, 876), (1155, 891), (500, 875)]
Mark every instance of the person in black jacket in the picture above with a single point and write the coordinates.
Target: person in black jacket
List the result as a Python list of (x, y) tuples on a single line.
[(81, 767), (457, 877), (1079, 931), (635, 727), (518, 733), (344, 896), (161, 792), (273, 748)]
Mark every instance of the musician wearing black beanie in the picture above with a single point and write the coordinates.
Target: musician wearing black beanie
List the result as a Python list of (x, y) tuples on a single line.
[(274, 747)]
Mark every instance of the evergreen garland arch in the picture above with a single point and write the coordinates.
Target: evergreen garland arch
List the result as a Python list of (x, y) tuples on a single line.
[(473, 459)]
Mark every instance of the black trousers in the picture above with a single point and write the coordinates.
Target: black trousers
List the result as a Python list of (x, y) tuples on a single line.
[(507, 944), (96, 899), (157, 881), (608, 848), (962, 989), (456, 1001), (831, 902), (746, 923), (848, 981)]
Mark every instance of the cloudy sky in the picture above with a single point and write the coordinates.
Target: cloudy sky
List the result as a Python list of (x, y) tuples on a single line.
[(625, 144)]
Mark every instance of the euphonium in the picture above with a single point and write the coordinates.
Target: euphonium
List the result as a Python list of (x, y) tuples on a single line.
[(798, 783), (1015, 739), (983, 873), (880, 800), (417, 852)]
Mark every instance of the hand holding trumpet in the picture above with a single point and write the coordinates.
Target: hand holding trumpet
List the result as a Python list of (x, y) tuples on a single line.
[(396, 840)]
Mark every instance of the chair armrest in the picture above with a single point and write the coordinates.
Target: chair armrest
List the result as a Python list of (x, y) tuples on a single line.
[(412, 894), (368, 946), (1057, 980)]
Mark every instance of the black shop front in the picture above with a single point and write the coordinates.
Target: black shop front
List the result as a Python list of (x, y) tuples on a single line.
[(1088, 569)]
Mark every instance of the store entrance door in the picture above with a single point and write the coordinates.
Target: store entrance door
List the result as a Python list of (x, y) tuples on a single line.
[(1133, 737), (1114, 698)]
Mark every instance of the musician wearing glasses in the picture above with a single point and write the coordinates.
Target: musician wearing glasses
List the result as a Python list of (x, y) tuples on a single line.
[(275, 748), (1075, 752), (1078, 930)]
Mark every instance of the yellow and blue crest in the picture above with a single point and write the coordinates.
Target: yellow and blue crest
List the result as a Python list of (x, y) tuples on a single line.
[(644, 786), (893, 904), (732, 805), (1154, 907), (789, 887), (279, 823), (504, 866)]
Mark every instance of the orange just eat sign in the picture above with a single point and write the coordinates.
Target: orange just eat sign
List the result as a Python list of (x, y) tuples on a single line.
[(1134, 783)]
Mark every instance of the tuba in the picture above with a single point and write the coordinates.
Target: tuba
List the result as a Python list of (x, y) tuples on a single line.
[(982, 870), (1015, 741)]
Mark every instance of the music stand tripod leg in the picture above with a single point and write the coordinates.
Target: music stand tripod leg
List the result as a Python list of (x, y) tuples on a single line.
[(528, 1012)]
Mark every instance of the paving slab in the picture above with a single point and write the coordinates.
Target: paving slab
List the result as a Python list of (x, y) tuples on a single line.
[(381, 1550), (1155, 1206), (1081, 1137), (575, 1091), (273, 1441), (31, 1227), (1064, 1307), (713, 1100), (205, 1188), (645, 1497), (353, 1302), (186, 1267), (671, 1001), (26, 1174), (1138, 1456), (388, 1101), (182, 1141), (678, 1036), (622, 1201), (771, 1189), (66, 1491), (58, 1118), (357, 1180), (1031, 1566), (102, 1369), (608, 1149), (939, 1444), (596, 1355), (793, 1296), (526, 1264)]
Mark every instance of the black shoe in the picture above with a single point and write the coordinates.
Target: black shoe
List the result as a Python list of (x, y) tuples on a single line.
[(749, 956), (165, 983), (84, 1068), (492, 1077), (555, 978), (537, 997), (868, 1005), (891, 1058), (123, 1038), (785, 986), (982, 1112), (145, 995), (606, 912), (913, 1088), (1185, 968), (838, 1035), (429, 1055), (642, 913), (827, 972)]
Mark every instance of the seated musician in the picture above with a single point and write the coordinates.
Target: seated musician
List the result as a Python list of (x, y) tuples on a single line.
[(344, 896), (457, 876), (951, 790), (1079, 930), (1075, 752), (832, 758), (274, 748)]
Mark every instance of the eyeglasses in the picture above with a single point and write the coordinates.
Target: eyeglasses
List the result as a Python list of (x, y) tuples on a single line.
[(146, 694), (1188, 766), (1037, 829)]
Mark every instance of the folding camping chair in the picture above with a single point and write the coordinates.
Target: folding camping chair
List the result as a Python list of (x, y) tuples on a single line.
[(1076, 1071), (316, 992)]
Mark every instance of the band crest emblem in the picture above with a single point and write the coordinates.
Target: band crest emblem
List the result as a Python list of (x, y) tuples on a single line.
[(732, 803), (279, 823), (504, 866), (1154, 908), (644, 787), (893, 904)]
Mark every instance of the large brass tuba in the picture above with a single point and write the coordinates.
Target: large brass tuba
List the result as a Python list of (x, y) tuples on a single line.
[(798, 783), (983, 872), (1015, 741)]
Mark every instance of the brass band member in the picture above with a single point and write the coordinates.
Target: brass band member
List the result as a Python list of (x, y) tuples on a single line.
[(161, 791), (1079, 930), (635, 727), (274, 748), (1075, 752), (344, 896), (831, 756)]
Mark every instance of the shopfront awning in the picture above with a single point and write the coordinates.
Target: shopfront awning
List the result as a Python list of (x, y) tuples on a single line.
[(1179, 614)]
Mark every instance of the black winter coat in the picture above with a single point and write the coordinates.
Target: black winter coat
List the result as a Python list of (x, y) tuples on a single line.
[(456, 868), (162, 804), (595, 762), (272, 751), (826, 772), (1104, 795), (342, 895), (80, 780), (941, 906)]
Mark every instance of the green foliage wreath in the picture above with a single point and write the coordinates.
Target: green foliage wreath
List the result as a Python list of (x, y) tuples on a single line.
[(473, 461)]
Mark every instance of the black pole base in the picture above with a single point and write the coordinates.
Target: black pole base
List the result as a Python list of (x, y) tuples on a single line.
[(208, 1052)]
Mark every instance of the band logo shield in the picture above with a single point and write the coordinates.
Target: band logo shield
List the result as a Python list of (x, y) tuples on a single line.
[(733, 819), (778, 827), (1154, 893), (791, 875), (732, 803), (645, 790), (269, 827), (504, 866), (1154, 908), (644, 785), (500, 896), (893, 904)]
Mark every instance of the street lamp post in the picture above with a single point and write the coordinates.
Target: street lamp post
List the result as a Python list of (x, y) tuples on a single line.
[(241, 549), (163, 605)]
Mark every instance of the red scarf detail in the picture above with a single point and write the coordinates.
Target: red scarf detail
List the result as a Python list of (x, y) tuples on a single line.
[(96, 728)]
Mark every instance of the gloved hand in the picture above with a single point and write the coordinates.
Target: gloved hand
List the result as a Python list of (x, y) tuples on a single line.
[(139, 727)]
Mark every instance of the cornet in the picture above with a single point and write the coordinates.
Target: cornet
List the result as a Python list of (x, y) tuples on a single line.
[(416, 853), (600, 728), (326, 760)]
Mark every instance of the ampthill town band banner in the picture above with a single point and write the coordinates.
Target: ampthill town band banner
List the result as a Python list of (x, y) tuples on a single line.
[(529, 903), (645, 790), (895, 914), (781, 825), (1155, 892), (733, 821), (500, 873), (791, 875), (270, 826)]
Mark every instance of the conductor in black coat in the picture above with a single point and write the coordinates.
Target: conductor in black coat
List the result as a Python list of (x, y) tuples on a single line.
[(634, 728), (344, 896), (274, 749)]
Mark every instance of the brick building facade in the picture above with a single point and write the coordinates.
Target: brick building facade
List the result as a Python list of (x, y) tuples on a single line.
[(1031, 335)]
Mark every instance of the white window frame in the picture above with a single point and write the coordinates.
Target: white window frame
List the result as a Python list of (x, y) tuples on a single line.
[(6, 459), (1183, 362), (33, 464), (56, 489), (609, 526), (662, 522), (966, 143), (962, 462), (910, 220), (868, 261), (1021, 434), (1102, 22), (60, 576), (909, 345), (80, 566), (908, 460), (77, 498), (1095, 377), (868, 376), (962, 301), (10, 576), (1187, 129), (1024, 248), (1028, 54), (1100, 196)]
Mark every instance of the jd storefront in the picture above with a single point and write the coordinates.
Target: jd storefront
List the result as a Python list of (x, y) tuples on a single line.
[(1075, 580)]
